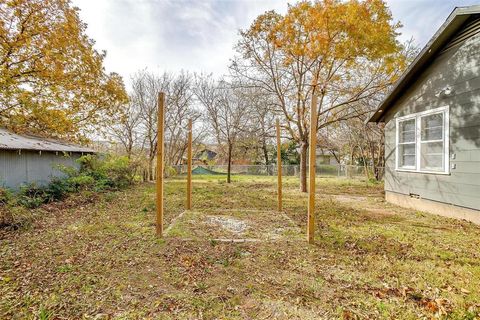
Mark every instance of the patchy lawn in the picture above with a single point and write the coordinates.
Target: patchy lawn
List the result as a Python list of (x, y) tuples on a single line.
[(100, 259)]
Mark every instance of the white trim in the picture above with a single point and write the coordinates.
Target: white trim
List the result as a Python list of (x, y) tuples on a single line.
[(418, 141)]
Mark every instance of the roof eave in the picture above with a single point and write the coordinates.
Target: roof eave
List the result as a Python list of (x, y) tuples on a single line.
[(454, 21)]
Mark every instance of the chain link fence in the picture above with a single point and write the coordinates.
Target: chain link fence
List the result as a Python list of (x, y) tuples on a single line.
[(345, 171)]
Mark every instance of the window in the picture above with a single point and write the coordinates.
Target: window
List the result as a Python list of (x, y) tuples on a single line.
[(422, 142)]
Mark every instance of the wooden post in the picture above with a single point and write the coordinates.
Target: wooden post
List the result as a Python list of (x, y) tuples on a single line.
[(311, 170), (189, 166), (160, 162), (279, 168)]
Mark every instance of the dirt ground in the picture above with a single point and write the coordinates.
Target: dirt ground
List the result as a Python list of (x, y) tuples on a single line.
[(234, 257)]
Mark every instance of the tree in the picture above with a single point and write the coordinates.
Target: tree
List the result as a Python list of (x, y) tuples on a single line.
[(52, 80), (179, 109), (226, 112), (126, 128), (345, 52), (261, 122)]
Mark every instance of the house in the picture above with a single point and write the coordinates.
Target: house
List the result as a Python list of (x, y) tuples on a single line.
[(205, 156), (432, 123), (26, 159), (325, 157)]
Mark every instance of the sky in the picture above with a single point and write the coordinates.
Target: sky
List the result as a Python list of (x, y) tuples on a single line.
[(199, 35)]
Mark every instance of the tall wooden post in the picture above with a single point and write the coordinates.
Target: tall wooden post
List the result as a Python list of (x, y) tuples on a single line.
[(279, 167), (189, 166), (311, 170), (160, 163)]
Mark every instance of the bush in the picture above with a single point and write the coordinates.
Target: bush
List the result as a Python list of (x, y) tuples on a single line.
[(95, 174), (170, 171), (108, 173), (6, 196), (32, 196), (58, 188)]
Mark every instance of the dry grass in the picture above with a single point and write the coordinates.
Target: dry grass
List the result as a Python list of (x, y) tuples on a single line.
[(100, 259)]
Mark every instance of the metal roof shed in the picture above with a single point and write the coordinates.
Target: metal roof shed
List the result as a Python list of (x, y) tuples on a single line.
[(26, 159)]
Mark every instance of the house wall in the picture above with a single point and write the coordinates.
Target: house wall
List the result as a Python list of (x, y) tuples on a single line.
[(326, 160), (457, 66), (32, 167)]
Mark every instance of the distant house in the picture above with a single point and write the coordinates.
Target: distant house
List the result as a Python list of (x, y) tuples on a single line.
[(325, 157), (432, 123), (26, 159), (205, 156)]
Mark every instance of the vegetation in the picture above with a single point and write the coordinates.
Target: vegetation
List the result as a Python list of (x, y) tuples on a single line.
[(94, 254), (370, 260), (96, 174), (52, 80), (344, 52)]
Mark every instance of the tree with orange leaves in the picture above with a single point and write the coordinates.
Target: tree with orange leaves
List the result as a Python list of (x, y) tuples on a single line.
[(52, 80), (345, 52)]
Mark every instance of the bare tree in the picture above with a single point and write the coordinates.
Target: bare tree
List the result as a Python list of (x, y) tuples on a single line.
[(179, 109), (226, 112), (126, 129), (260, 127)]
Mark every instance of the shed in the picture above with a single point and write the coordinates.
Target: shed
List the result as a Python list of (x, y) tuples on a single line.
[(432, 123), (26, 159)]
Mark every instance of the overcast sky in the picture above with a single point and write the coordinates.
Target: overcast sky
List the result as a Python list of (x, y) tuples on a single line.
[(199, 35)]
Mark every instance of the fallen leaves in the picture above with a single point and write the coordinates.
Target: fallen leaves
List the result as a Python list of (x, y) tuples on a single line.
[(102, 260)]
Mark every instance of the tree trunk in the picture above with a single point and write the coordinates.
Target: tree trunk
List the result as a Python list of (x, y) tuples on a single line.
[(229, 167), (303, 166), (265, 155), (265, 152), (150, 169)]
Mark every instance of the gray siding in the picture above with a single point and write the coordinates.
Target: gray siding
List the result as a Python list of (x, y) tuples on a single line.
[(457, 66), (32, 167)]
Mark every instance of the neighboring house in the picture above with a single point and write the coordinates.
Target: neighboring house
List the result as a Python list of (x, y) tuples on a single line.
[(26, 159), (325, 157), (432, 117), (204, 156)]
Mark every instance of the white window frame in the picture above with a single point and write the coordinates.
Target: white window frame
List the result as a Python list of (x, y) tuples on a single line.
[(418, 141)]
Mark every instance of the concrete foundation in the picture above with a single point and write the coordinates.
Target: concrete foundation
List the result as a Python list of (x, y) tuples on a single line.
[(443, 209)]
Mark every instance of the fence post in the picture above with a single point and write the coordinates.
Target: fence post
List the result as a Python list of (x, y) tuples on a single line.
[(311, 170), (189, 166), (160, 164), (279, 168)]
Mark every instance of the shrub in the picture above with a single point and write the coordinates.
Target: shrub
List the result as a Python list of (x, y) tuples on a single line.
[(32, 196), (120, 171), (6, 196), (58, 188), (81, 182), (95, 174), (109, 172), (170, 171)]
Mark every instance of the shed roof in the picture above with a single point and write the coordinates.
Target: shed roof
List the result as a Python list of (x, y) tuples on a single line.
[(452, 24), (13, 141)]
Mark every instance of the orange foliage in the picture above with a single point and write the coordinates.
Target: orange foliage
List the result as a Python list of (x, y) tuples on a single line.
[(52, 80)]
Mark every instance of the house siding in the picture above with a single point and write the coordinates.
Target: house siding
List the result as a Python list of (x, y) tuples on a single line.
[(456, 66), (17, 169)]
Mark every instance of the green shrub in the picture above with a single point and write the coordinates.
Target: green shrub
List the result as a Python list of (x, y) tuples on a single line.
[(170, 171), (81, 182), (32, 196), (58, 188), (6, 196), (109, 172), (95, 174)]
